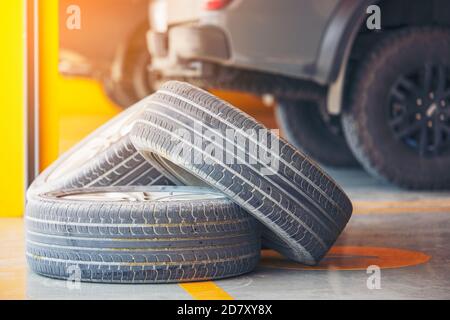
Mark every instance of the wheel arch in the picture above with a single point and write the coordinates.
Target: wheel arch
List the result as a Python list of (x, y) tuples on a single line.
[(339, 37), (336, 48)]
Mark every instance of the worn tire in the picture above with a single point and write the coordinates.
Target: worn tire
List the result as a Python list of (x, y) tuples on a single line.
[(104, 158), (306, 128), (302, 208), (140, 235), (119, 165), (129, 79), (368, 124)]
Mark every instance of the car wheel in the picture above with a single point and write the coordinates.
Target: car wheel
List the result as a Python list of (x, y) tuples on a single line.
[(129, 80), (398, 122), (315, 132), (299, 205), (139, 235)]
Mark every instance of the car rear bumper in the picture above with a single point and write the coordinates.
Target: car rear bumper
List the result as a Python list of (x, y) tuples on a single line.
[(179, 51)]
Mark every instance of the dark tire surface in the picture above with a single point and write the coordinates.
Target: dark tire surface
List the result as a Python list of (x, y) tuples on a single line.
[(104, 158), (140, 239), (366, 121), (307, 129), (129, 80), (302, 208), (119, 165)]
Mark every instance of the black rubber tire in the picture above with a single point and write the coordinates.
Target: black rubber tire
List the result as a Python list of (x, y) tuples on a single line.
[(365, 122), (304, 125), (138, 240), (130, 80), (119, 165), (300, 205), (114, 160)]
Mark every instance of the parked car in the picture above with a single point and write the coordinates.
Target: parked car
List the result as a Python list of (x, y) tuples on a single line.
[(344, 91), (109, 45)]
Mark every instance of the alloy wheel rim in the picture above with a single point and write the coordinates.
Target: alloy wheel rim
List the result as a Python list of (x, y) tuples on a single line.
[(419, 110)]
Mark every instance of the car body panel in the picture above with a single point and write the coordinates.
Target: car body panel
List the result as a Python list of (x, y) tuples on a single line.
[(299, 38), (163, 13), (309, 40), (267, 35)]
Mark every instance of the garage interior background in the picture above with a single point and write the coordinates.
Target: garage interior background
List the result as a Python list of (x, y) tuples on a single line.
[(62, 118), (70, 108)]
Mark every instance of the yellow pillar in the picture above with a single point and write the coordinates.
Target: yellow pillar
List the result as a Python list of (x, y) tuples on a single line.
[(12, 162)]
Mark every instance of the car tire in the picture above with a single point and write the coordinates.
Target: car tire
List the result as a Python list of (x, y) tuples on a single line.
[(139, 235), (398, 120), (104, 158), (300, 205), (119, 165), (129, 80), (317, 134)]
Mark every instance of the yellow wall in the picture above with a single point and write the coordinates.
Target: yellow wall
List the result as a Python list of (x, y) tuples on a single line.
[(12, 109), (69, 108)]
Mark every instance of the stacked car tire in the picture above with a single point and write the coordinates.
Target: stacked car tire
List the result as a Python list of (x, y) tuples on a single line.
[(129, 205)]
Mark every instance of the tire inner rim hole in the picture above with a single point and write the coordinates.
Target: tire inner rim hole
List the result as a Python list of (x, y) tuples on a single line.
[(143, 196)]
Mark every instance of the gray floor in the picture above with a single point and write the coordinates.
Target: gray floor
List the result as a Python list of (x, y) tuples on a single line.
[(405, 233), (428, 234), (361, 186)]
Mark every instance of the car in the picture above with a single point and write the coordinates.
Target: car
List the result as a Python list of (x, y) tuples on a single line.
[(363, 82), (107, 44)]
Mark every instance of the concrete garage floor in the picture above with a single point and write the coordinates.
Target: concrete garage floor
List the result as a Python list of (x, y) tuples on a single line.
[(404, 234)]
